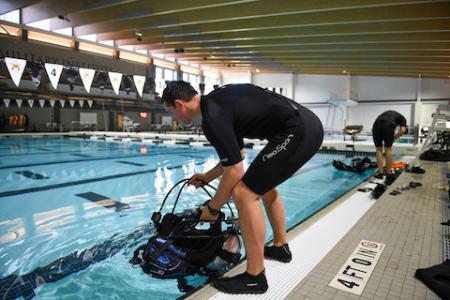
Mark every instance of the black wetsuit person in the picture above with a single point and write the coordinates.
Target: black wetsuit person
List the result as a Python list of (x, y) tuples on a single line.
[(229, 114), (383, 132)]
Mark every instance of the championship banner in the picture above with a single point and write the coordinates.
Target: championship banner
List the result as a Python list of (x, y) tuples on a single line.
[(139, 83), (41, 102), (90, 103), (15, 67), (52, 103), (54, 73), (87, 76), (30, 102), (6, 101), (19, 102), (116, 79), (81, 102), (62, 102), (72, 103)]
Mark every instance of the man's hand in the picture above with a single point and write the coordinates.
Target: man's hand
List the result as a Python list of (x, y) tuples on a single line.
[(198, 180), (402, 130), (206, 216)]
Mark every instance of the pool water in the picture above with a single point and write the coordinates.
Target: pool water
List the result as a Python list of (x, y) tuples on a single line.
[(405, 139), (87, 205)]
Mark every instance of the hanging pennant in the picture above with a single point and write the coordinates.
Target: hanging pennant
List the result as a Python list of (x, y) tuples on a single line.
[(139, 83), (19, 102), (62, 102), (116, 79), (90, 103), (15, 67), (6, 101), (54, 73), (87, 76), (81, 102), (52, 103), (72, 103), (41, 102), (35, 71), (30, 102)]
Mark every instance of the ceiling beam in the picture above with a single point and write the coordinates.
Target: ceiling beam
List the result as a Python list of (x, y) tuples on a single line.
[(132, 10), (278, 13), (50, 8), (10, 5), (398, 38), (374, 46), (403, 27)]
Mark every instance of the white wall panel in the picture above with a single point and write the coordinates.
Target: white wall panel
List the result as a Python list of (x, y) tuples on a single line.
[(435, 88), (384, 88), (236, 77), (274, 80), (319, 88)]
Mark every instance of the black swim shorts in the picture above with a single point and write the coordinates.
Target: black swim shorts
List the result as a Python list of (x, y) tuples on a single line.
[(285, 153), (383, 131)]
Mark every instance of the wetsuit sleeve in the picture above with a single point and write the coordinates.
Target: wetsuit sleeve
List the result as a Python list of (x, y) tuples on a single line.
[(240, 143), (401, 121), (221, 135)]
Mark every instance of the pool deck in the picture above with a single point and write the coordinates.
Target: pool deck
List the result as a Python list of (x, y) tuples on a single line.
[(408, 224)]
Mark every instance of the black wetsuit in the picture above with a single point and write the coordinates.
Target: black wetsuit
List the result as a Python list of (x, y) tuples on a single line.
[(384, 128), (236, 111)]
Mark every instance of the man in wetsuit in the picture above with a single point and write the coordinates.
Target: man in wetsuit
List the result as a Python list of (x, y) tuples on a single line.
[(294, 135), (383, 132)]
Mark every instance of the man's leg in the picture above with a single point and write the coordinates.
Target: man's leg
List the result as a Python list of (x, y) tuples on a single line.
[(275, 212), (252, 225), (380, 161), (388, 160), (253, 229)]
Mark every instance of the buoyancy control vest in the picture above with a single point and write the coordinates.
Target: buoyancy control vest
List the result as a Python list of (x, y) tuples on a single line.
[(179, 248)]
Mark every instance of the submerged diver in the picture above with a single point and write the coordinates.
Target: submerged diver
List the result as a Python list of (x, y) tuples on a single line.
[(229, 114), (22, 286), (358, 165), (383, 132)]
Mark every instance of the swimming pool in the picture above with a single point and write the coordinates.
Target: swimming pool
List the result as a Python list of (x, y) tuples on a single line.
[(83, 206)]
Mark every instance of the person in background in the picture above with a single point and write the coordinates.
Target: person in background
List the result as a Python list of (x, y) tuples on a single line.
[(230, 114), (384, 135)]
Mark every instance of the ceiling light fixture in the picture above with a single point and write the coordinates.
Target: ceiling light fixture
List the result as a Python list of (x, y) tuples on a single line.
[(138, 36), (63, 17)]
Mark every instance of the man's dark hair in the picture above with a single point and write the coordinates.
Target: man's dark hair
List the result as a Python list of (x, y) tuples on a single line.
[(177, 90)]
